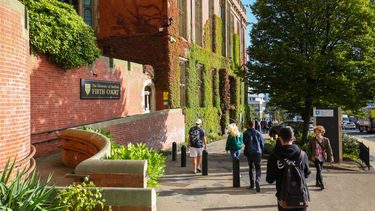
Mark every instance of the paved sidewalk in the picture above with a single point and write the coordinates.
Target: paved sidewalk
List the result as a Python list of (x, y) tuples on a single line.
[(348, 187)]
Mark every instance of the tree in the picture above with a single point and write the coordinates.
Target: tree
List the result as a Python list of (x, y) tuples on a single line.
[(276, 113), (313, 53)]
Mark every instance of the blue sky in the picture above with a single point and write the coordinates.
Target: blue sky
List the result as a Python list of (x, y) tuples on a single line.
[(250, 18)]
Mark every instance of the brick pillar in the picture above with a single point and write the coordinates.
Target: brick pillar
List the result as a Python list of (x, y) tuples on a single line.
[(14, 84)]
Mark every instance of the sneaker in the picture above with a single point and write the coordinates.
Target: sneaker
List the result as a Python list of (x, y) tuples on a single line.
[(195, 172), (199, 169), (321, 186), (257, 186)]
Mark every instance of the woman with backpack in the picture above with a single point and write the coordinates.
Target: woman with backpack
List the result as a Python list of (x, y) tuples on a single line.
[(319, 148), (234, 141)]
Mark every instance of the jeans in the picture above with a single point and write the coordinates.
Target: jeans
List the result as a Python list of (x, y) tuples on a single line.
[(256, 162), (294, 209), (319, 167), (235, 154)]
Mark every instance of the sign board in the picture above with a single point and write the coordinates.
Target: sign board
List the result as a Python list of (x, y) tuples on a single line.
[(165, 103), (323, 113), (373, 113), (97, 89), (165, 95)]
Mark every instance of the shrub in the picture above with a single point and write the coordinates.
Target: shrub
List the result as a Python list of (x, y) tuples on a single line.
[(155, 160), (350, 147), (269, 146), (210, 117), (212, 137), (80, 197), (58, 31), (24, 192), (98, 130)]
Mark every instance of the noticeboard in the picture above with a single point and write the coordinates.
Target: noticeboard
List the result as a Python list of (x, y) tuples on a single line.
[(98, 89)]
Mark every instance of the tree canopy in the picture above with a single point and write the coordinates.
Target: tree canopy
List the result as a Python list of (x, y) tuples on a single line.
[(313, 53), (58, 31)]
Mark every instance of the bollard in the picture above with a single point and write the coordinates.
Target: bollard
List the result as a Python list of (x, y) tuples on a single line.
[(174, 151), (183, 156), (236, 173), (205, 163)]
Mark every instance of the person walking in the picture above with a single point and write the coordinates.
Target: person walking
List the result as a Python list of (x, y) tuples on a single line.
[(196, 140), (319, 148), (280, 163), (254, 145), (234, 141)]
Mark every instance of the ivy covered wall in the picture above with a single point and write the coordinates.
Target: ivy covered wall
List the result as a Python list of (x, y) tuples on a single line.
[(208, 89)]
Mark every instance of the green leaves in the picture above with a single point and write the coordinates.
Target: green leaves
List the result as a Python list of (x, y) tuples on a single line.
[(313, 53), (155, 160), (58, 31), (24, 192), (84, 196)]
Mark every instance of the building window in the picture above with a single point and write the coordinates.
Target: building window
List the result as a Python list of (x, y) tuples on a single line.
[(87, 12), (183, 83), (198, 22), (147, 99), (182, 17)]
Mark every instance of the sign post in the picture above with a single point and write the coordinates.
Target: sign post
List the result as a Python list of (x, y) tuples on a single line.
[(330, 119)]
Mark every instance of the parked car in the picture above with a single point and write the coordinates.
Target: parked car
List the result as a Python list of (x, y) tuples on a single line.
[(349, 125), (296, 125), (311, 126)]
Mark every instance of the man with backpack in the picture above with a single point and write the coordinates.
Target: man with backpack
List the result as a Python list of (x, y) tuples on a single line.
[(197, 138), (254, 145), (289, 167)]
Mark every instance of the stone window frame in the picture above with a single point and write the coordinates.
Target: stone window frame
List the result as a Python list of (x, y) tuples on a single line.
[(79, 6), (152, 101)]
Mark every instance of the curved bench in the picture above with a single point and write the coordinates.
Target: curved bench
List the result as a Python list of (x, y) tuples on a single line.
[(86, 151)]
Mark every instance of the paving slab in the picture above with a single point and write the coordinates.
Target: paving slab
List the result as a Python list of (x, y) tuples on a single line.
[(348, 186)]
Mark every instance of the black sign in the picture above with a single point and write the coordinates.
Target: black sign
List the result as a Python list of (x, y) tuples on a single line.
[(96, 89)]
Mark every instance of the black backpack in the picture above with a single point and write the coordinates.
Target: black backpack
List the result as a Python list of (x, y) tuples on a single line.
[(195, 140), (253, 147), (293, 192)]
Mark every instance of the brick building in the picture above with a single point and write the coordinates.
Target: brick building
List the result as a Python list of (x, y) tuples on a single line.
[(164, 53)]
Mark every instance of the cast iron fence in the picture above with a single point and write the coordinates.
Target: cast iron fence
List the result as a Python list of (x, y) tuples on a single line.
[(364, 154)]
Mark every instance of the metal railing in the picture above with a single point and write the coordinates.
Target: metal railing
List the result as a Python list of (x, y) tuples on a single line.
[(364, 154)]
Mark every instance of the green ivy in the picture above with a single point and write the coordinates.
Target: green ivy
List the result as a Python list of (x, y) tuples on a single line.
[(78, 197), (210, 117), (236, 50), (155, 160), (58, 31), (218, 25)]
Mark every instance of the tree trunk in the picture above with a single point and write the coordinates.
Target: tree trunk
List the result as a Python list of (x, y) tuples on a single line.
[(306, 120)]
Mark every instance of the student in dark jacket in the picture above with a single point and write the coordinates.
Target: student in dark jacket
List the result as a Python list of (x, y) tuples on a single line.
[(291, 152), (254, 145)]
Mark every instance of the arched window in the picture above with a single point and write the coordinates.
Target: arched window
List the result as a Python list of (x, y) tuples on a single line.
[(147, 99)]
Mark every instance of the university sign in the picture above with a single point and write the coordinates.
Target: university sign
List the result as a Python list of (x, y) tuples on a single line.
[(97, 89)]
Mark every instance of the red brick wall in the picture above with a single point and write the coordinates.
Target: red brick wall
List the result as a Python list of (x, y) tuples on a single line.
[(56, 103), (157, 131), (14, 85)]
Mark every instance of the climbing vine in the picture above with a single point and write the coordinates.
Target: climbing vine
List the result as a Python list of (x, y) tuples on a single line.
[(213, 81)]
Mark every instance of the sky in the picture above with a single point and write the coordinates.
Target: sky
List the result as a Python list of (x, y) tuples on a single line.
[(250, 18)]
